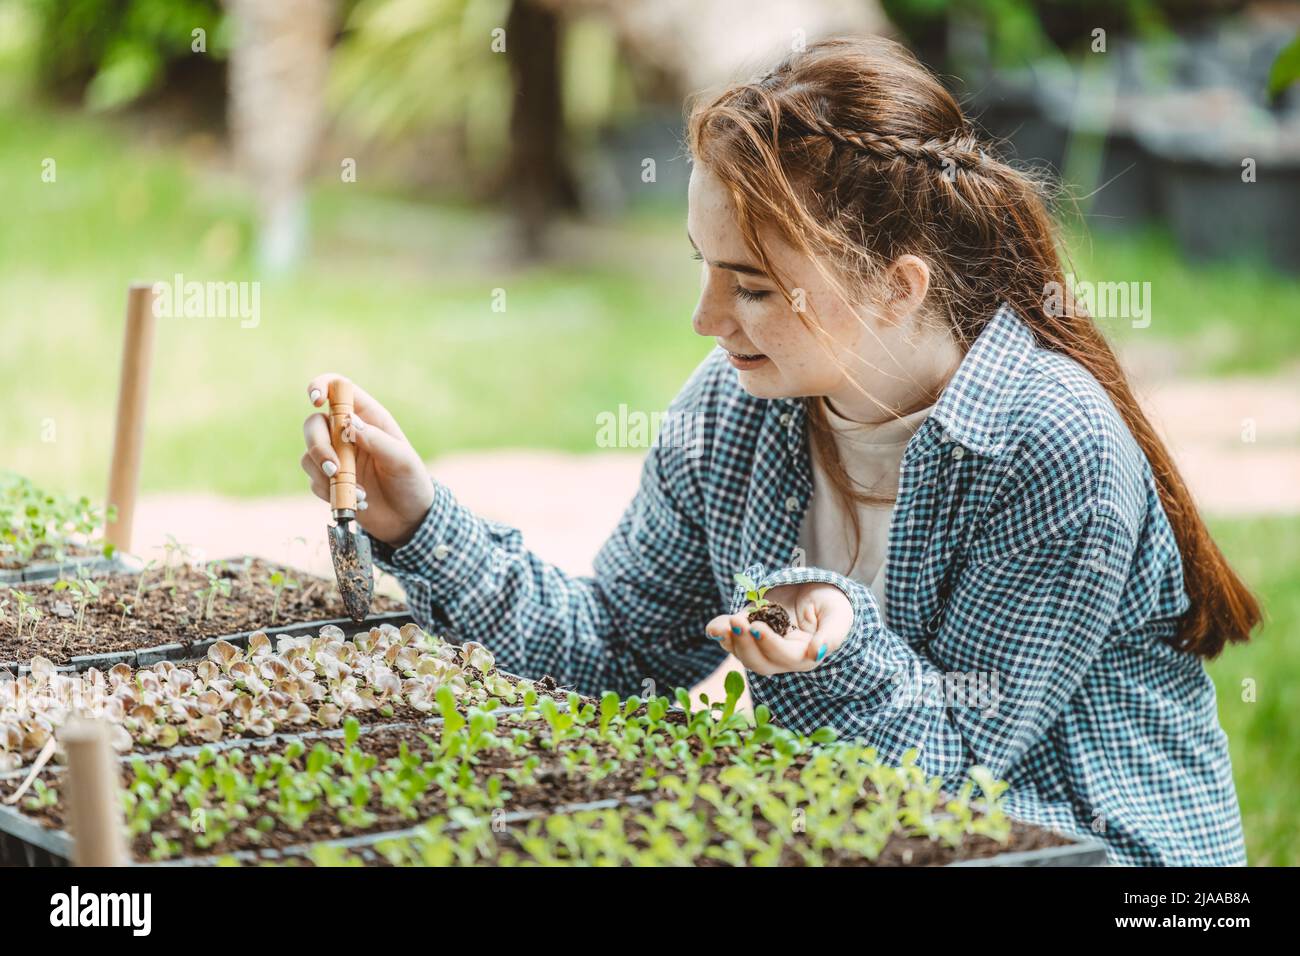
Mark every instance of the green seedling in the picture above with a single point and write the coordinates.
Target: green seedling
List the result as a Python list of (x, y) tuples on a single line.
[(280, 582), (216, 585), (42, 796), (23, 612), (83, 590), (140, 581), (174, 555), (753, 593)]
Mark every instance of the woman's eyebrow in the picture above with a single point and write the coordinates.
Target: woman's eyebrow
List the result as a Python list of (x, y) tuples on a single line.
[(730, 266)]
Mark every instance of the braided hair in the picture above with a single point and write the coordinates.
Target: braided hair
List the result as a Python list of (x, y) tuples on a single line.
[(960, 150)]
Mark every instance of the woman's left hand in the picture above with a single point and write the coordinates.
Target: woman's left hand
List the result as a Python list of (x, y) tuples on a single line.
[(820, 620)]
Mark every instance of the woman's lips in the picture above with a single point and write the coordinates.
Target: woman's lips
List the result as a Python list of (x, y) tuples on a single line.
[(743, 361)]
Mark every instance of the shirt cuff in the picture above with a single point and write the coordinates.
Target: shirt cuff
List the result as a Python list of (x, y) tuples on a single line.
[(447, 549)]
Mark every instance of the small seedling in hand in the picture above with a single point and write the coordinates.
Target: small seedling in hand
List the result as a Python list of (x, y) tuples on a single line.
[(760, 609)]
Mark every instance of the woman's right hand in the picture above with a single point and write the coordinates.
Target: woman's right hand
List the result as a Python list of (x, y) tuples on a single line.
[(394, 489)]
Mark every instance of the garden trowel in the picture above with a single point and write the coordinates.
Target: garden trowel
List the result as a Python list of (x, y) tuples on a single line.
[(349, 547)]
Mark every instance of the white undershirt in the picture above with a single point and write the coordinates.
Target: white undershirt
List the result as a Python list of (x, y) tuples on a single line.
[(871, 454)]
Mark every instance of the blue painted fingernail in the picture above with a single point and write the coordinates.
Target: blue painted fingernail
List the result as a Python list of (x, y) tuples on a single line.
[(735, 629), (821, 652), (757, 635), (713, 637)]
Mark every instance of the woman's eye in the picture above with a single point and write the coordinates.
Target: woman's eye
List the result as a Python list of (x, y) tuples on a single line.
[(750, 295), (696, 256)]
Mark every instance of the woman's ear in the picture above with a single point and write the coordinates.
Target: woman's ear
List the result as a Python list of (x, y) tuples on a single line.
[(908, 281)]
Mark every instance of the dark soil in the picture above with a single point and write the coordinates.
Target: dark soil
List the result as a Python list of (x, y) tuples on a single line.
[(167, 613), (774, 616), (553, 786)]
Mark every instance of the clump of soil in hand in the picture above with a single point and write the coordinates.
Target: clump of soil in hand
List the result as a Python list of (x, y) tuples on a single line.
[(774, 616)]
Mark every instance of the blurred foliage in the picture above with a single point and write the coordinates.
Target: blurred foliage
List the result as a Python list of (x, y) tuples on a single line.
[(1286, 68), (411, 68), (114, 51), (407, 66), (1018, 31)]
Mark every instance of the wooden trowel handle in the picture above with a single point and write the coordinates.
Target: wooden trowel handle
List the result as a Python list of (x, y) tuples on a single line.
[(343, 486)]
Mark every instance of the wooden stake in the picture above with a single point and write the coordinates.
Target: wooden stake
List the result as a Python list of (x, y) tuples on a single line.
[(132, 393), (94, 805)]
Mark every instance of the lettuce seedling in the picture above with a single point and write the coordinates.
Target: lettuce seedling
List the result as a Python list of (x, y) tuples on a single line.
[(761, 609)]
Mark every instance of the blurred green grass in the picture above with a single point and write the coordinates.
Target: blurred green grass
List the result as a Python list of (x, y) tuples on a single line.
[(1262, 733), (398, 294)]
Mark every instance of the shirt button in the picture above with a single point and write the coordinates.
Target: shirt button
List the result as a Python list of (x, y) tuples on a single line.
[(792, 504), (441, 551), (786, 419), (958, 451)]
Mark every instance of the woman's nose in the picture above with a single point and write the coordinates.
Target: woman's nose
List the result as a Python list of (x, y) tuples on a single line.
[(712, 316)]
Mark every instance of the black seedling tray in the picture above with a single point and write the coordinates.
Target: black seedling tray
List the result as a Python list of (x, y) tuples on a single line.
[(147, 656), (1079, 852), (24, 842)]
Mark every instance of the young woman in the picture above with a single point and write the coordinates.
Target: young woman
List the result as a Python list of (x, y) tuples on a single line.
[(934, 462)]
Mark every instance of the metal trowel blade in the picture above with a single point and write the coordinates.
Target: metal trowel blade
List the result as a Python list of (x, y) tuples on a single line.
[(352, 566)]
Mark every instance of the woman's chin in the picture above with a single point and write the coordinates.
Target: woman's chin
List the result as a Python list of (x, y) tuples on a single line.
[(760, 383)]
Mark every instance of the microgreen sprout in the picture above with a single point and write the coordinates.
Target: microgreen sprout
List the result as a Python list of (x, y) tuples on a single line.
[(140, 580), (83, 590), (216, 585), (280, 582), (23, 610), (753, 593), (174, 555)]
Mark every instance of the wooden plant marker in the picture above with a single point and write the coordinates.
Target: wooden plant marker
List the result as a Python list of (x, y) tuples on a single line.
[(93, 802), (132, 395)]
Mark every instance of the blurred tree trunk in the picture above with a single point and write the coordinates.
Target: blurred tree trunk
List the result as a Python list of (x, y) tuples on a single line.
[(540, 181), (278, 65)]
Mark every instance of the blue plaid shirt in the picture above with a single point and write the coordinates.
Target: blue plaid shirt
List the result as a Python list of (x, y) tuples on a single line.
[(1032, 577)]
